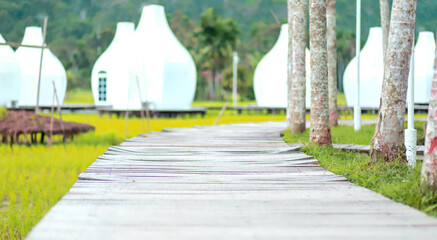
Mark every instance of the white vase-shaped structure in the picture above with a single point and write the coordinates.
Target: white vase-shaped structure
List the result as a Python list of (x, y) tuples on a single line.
[(52, 71), (270, 80), (424, 55), (371, 73), (113, 80), (10, 76), (166, 70)]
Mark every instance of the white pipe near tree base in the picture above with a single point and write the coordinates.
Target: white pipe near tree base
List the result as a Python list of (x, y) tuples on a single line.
[(357, 108), (410, 132), (411, 146), (234, 85)]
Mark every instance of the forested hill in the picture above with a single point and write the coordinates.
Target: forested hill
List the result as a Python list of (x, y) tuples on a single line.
[(75, 18), (79, 29)]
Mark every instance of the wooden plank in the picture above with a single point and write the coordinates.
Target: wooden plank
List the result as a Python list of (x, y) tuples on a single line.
[(238, 181)]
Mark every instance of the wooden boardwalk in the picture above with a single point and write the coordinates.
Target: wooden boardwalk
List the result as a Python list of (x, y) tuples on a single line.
[(236, 181)]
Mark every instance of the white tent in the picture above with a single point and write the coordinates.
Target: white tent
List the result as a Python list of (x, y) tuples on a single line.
[(371, 72), (423, 67), (10, 76), (166, 70), (114, 83), (52, 71), (270, 80)]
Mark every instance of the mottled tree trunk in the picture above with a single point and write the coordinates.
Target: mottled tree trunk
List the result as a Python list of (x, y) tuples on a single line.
[(289, 63), (387, 143), (320, 132), (429, 167), (332, 60), (298, 78), (385, 24)]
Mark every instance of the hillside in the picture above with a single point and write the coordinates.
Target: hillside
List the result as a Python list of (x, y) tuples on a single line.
[(79, 30)]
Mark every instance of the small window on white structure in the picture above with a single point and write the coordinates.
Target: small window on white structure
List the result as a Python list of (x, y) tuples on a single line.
[(102, 86)]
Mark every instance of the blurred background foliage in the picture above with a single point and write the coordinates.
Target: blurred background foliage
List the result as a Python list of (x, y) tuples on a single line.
[(79, 30)]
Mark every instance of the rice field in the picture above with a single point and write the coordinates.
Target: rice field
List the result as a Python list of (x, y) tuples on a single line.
[(34, 178)]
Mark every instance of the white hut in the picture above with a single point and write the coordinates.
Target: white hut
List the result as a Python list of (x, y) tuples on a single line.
[(371, 72), (113, 79), (166, 70), (52, 71), (424, 55), (270, 80), (10, 76)]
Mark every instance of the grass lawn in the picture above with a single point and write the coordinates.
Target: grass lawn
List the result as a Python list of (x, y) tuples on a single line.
[(79, 96), (35, 178), (395, 180)]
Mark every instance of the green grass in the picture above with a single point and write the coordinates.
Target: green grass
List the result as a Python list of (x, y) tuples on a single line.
[(221, 103), (79, 96), (395, 180), (35, 178), (341, 99), (347, 135), (2, 112)]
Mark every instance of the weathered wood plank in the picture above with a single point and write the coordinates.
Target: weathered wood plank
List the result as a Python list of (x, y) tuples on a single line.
[(238, 181)]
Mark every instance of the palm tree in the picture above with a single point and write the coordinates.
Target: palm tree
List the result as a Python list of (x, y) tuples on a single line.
[(332, 60), (429, 167), (385, 23), (387, 143), (298, 39), (320, 131)]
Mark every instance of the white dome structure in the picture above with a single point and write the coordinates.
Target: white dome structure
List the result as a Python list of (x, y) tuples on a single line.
[(113, 79), (371, 72), (166, 70), (424, 55), (10, 76), (270, 80), (52, 71)]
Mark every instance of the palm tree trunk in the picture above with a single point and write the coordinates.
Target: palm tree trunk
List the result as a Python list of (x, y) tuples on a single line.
[(429, 167), (289, 63), (332, 60), (320, 132), (298, 79), (387, 143), (385, 24)]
